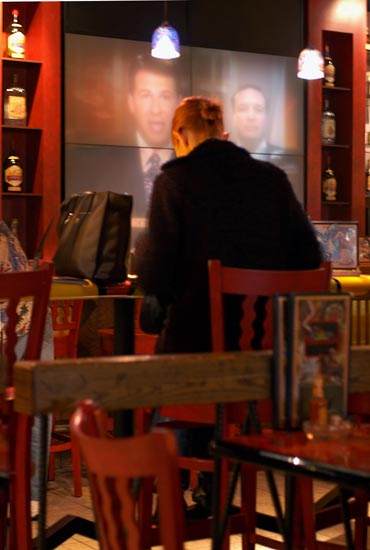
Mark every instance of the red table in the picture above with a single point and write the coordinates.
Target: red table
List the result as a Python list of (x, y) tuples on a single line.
[(344, 461)]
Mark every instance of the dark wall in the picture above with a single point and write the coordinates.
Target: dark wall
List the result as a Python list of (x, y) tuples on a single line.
[(266, 26)]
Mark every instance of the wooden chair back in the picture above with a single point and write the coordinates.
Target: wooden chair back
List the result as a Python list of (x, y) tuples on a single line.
[(19, 291), (66, 316), (258, 286), (113, 465), (256, 323)]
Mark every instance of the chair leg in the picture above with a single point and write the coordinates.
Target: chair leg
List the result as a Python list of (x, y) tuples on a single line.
[(304, 504), (76, 468), (361, 522), (4, 501), (51, 468), (249, 505), (20, 487), (69, 445), (145, 512)]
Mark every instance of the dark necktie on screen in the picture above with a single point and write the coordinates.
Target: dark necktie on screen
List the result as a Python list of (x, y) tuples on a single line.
[(152, 169)]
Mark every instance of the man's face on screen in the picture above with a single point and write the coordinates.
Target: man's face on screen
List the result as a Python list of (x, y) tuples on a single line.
[(249, 116), (152, 102)]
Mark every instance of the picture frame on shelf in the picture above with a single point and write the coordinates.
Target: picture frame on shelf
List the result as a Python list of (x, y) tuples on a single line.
[(339, 242), (318, 343)]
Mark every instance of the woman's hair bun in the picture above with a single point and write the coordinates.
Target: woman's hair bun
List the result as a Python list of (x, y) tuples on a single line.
[(209, 111)]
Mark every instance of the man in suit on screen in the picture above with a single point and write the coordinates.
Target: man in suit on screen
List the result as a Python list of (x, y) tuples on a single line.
[(152, 99)]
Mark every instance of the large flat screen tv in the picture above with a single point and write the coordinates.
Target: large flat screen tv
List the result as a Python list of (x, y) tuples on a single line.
[(118, 111)]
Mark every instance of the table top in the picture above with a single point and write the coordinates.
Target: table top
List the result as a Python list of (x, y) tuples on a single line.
[(358, 286), (68, 288), (344, 460)]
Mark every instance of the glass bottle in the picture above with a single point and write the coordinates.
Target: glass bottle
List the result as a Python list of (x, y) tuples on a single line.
[(328, 124), (15, 105), (12, 173), (329, 69), (318, 402), (329, 182), (16, 40)]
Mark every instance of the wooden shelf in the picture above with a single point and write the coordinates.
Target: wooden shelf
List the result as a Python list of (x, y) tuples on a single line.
[(15, 195), (334, 145), (346, 40), (335, 203), (38, 144), (11, 61), (6, 127), (336, 89)]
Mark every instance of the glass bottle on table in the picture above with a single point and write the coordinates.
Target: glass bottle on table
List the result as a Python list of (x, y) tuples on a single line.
[(318, 402)]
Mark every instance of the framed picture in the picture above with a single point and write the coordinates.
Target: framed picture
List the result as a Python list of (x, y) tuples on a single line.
[(339, 243), (281, 325), (318, 344)]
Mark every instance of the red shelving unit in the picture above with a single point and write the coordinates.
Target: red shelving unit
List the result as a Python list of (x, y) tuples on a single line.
[(38, 144), (328, 22)]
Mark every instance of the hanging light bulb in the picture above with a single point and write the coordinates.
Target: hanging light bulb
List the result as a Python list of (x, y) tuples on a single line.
[(310, 64), (165, 40)]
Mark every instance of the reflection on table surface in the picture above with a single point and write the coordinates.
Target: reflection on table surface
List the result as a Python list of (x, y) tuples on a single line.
[(344, 459)]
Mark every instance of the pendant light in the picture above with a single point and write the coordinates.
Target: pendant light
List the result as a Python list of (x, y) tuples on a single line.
[(310, 64), (165, 40)]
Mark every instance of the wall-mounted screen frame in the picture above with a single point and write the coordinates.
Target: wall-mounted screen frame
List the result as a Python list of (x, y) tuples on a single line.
[(110, 138)]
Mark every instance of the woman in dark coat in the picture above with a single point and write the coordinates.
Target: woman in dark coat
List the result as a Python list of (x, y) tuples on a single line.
[(214, 201)]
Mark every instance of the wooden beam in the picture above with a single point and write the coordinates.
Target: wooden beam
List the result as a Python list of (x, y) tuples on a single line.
[(128, 382)]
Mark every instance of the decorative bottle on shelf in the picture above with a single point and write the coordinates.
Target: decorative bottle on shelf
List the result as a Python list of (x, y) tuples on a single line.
[(328, 124), (329, 69), (367, 177), (329, 182), (12, 173), (318, 402), (16, 40), (15, 105)]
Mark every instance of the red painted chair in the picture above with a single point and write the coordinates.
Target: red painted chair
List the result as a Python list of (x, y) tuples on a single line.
[(115, 466), (66, 315), (226, 280), (255, 283), (18, 288), (251, 283)]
